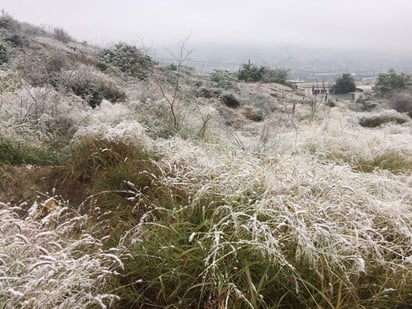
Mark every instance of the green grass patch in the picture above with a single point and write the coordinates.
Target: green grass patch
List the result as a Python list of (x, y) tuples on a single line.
[(121, 181), (90, 157), (16, 153), (377, 121), (392, 161)]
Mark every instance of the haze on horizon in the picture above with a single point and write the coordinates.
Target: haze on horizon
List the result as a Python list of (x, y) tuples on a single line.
[(365, 25)]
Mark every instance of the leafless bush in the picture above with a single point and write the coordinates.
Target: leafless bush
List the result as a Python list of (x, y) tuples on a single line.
[(171, 91)]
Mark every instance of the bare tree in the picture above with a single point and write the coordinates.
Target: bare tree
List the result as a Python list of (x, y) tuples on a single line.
[(171, 95), (205, 120)]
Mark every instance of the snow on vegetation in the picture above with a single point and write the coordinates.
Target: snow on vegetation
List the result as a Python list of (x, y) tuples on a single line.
[(277, 201), (42, 266), (318, 226)]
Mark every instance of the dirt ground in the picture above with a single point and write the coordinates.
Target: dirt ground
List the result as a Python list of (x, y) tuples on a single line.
[(27, 183)]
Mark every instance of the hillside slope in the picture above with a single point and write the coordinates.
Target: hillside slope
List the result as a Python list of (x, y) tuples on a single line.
[(126, 183)]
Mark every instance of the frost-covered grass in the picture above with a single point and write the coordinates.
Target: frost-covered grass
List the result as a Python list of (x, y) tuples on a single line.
[(296, 223), (40, 115), (43, 266), (305, 209), (286, 231)]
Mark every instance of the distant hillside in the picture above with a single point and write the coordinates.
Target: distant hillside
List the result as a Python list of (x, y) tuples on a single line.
[(303, 62)]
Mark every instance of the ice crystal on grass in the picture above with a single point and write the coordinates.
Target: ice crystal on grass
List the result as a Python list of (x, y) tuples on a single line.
[(312, 223), (43, 268)]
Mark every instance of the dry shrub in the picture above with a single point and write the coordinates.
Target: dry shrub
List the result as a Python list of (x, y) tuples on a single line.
[(401, 102), (40, 68), (92, 86)]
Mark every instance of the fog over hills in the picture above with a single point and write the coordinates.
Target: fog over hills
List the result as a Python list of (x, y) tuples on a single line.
[(307, 37), (303, 62)]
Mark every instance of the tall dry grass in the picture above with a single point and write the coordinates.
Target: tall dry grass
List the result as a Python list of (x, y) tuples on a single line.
[(44, 265)]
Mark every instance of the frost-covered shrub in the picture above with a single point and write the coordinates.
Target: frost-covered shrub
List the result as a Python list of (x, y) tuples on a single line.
[(61, 35), (39, 68), (92, 86), (17, 40), (330, 103), (9, 23), (31, 30), (249, 72), (365, 103), (41, 115), (402, 102), (279, 76), (9, 81), (252, 73), (221, 79), (387, 83), (344, 84), (379, 120), (262, 103), (10, 27), (128, 59), (172, 67)]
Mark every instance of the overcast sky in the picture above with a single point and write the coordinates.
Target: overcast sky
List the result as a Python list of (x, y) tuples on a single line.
[(363, 24)]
